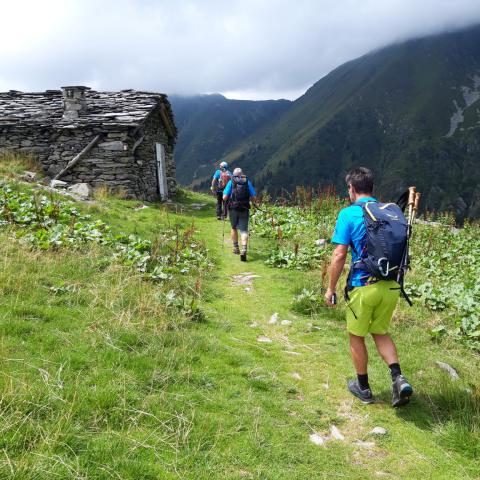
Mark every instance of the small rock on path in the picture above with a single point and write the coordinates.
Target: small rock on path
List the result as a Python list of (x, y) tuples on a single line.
[(317, 439), (264, 339), (245, 278), (449, 369), (335, 433), (273, 318), (361, 443)]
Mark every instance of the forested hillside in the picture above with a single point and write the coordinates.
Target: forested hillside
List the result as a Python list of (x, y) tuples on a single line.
[(211, 125)]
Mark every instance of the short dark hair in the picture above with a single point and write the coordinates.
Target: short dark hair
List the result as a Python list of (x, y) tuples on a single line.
[(361, 179)]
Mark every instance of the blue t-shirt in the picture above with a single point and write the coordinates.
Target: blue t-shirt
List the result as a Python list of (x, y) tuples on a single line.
[(350, 230), (217, 174), (228, 189)]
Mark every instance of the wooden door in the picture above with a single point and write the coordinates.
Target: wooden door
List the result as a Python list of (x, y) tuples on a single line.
[(161, 171)]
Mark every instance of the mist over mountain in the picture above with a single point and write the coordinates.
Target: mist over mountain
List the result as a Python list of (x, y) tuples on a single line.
[(410, 111)]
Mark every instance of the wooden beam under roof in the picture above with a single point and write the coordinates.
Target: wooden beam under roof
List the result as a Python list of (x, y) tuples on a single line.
[(166, 121)]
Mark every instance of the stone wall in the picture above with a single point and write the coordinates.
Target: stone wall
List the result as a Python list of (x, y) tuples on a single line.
[(145, 156), (26, 140), (111, 162)]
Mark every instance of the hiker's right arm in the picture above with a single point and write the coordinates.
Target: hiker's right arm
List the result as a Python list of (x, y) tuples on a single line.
[(215, 178), (336, 268)]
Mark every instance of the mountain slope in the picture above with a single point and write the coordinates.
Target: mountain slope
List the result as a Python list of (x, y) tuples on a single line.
[(211, 125), (411, 112)]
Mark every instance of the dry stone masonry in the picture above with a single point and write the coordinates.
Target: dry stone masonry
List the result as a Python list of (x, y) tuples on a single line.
[(123, 140)]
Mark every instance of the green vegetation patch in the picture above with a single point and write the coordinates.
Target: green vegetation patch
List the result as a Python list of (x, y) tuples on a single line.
[(106, 374)]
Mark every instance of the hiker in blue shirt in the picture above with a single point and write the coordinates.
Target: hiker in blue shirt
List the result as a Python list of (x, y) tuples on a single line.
[(219, 181), (350, 230), (371, 302), (239, 192)]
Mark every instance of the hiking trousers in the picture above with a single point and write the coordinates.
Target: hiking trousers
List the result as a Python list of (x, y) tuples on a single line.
[(221, 205)]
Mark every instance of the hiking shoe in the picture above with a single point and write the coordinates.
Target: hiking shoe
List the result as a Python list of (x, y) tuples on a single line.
[(364, 395), (236, 250), (401, 391), (243, 257), (219, 218)]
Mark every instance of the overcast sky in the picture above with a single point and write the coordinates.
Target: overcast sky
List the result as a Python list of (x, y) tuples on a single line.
[(252, 49)]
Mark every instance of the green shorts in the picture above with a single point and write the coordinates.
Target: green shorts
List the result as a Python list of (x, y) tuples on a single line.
[(373, 306)]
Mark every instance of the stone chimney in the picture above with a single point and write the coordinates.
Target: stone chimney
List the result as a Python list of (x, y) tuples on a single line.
[(74, 101)]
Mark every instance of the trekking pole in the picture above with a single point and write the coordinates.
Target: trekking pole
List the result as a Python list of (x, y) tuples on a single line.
[(411, 206), (223, 233), (250, 241), (405, 257), (412, 192), (416, 204)]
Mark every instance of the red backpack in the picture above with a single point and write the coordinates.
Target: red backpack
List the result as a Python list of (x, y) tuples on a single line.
[(224, 179)]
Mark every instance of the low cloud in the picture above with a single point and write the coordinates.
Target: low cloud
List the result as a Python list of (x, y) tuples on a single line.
[(244, 48)]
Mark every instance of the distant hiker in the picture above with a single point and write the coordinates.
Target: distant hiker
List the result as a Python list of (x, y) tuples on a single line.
[(219, 181), (370, 300), (239, 192)]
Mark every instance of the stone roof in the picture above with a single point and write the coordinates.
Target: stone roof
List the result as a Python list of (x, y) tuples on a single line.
[(127, 108)]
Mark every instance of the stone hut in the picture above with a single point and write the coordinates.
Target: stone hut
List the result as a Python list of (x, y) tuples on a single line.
[(123, 140)]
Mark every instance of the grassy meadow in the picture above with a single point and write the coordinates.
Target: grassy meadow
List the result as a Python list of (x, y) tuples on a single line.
[(130, 349)]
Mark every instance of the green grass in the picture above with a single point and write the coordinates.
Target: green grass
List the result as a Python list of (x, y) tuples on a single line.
[(100, 380)]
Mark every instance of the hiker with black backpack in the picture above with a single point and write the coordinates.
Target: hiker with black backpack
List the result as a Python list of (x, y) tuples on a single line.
[(239, 192), (377, 236), (220, 179)]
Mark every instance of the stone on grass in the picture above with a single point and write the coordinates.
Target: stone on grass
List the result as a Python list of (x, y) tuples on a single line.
[(243, 279), (29, 176), (254, 325), (289, 352), (296, 376), (449, 369), (58, 184), (197, 206), (285, 322), (379, 431), (264, 339), (317, 439), (273, 318), (81, 191), (335, 433), (140, 207), (321, 242)]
